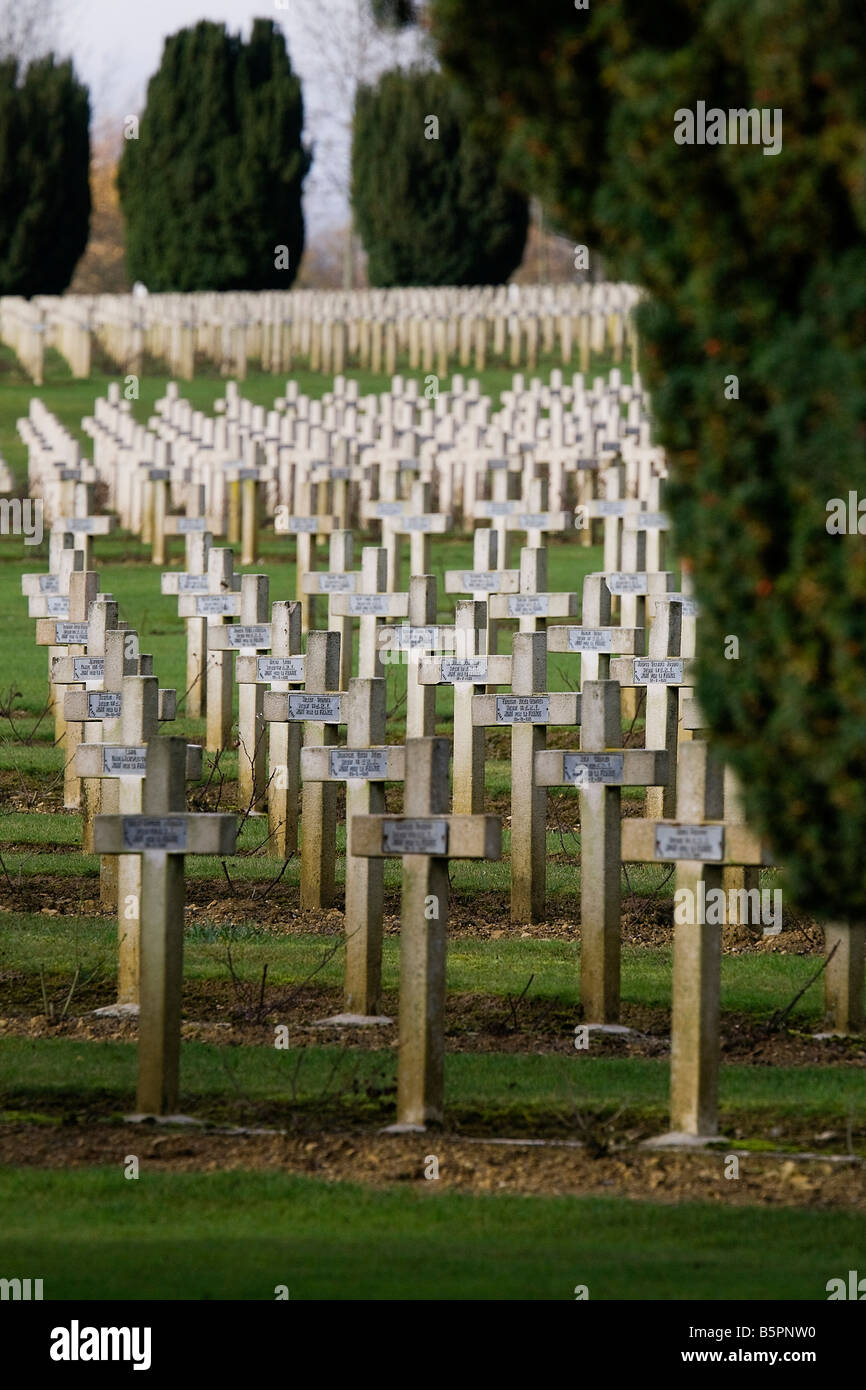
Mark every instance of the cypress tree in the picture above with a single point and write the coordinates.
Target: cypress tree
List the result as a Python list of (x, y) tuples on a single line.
[(755, 267), (44, 176), (213, 183), (431, 211)]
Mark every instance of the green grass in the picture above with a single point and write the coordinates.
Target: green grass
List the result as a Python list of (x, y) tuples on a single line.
[(93, 1234), (512, 1091), (751, 984)]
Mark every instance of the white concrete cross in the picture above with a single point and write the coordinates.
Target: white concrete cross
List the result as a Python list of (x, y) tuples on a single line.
[(426, 838), (162, 835)]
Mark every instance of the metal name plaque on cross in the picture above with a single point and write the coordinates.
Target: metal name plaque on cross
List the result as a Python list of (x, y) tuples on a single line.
[(84, 524), (104, 704), (702, 843), (336, 583), (215, 605), (625, 583), (415, 836), (381, 509), (300, 523), (454, 669), (605, 507), (249, 635), (186, 524), (417, 523), (281, 668), (522, 709), (124, 762), (321, 709), (192, 583), (88, 668), (359, 764), (587, 639), (415, 638), (154, 832), (49, 583), (650, 671), (497, 508), (688, 605), (650, 521), (587, 769), (70, 634), (364, 605), (528, 605), (485, 581), (57, 606), (534, 521)]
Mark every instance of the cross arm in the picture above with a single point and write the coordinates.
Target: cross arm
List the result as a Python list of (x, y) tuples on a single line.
[(451, 837), (178, 832), (482, 581), (475, 670), (706, 842), (228, 637), (622, 640), (616, 767), (374, 764), (648, 670), (533, 605), (304, 707), (128, 760), (547, 708)]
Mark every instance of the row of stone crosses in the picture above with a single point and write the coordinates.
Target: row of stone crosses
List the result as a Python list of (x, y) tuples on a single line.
[(636, 639)]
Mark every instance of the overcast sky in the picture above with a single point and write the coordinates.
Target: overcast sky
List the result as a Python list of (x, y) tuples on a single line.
[(117, 47)]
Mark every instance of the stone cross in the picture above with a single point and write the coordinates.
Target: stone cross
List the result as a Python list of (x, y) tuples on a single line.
[(280, 670), (320, 707), (122, 765), (596, 639), (426, 837), (532, 605), (251, 635), (72, 635), (411, 642), (484, 578), (221, 601), (529, 709), (419, 524), (700, 844), (467, 671), (365, 765), (306, 526), (194, 580), (371, 602), (339, 578), (162, 835), (662, 673), (600, 770)]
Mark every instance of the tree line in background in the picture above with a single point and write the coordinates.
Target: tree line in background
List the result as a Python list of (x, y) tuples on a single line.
[(211, 176)]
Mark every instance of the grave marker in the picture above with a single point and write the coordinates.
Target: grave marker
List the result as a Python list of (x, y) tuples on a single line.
[(426, 837), (162, 835)]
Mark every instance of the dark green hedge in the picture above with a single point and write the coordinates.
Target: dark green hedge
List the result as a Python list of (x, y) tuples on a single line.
[(755, 265), (213, 183), (430, 211), (44, 176)]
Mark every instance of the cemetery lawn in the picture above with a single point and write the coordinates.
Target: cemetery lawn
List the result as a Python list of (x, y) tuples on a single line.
[(241, 1234)]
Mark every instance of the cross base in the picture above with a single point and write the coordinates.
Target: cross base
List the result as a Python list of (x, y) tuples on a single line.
[(404, 1129), (353, 1021), (678, 1139)]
